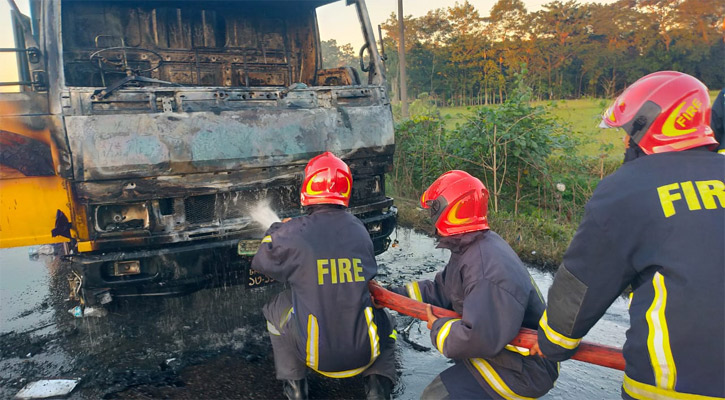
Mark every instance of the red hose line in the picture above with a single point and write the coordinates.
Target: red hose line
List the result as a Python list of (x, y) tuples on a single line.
[(606, 356)]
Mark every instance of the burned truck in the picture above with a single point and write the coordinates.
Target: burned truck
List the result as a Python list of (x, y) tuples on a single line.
[(145, 131)]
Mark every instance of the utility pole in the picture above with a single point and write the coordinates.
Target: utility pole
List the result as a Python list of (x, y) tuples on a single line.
[(401, 56)]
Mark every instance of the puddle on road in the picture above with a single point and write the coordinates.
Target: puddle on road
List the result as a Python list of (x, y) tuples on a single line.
[(213, 342), (24, 287), (29, 346), (140, 341)]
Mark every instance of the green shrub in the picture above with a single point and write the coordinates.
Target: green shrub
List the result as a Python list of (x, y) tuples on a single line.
[(526, 156), (418, 160)]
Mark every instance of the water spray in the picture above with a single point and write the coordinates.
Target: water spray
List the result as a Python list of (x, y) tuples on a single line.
[(263, 214)]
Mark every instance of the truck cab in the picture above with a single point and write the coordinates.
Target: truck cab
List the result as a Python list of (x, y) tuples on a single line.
[(145, 133)]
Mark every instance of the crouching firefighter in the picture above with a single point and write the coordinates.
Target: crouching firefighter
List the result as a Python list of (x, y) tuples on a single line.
[(485, 282), (326, 320), (658, 225)]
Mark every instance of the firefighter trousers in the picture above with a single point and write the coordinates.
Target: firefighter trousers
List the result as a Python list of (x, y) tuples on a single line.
[(284, 335)]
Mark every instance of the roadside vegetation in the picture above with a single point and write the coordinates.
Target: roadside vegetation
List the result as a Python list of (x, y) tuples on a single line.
[(540, 161), (549, 157)]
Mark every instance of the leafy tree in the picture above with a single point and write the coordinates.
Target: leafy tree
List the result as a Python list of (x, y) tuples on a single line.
[(570, 49), (508, 145), (664, 13), (334, 56), (508, 21)]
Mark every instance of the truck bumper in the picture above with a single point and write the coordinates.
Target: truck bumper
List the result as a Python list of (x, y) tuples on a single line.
[(182, 269)]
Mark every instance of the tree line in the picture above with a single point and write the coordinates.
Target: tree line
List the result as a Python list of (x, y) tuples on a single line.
[(570, 50)]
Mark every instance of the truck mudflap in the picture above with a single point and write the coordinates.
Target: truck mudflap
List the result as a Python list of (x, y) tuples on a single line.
[(182, 269)]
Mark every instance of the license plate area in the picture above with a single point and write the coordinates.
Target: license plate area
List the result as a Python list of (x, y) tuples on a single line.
[(249, 248), (257, 279)]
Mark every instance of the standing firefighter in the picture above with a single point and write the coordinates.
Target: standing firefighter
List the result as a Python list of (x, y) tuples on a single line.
[(326, 320), (489, 286), (657, 225)]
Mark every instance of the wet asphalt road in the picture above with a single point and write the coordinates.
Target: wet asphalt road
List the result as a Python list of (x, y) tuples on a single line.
[(212, 344)]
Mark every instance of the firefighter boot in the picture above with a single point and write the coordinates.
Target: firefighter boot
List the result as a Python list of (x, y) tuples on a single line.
[(378, 387), (295, 389)]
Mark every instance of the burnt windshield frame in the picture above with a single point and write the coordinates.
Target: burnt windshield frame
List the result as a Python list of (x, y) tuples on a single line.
[(203, 44)]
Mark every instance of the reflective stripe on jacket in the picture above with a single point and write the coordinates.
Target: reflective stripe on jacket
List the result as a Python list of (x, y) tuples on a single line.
[(657, 224)]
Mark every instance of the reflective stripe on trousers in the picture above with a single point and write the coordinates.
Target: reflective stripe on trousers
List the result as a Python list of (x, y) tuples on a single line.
[(494, 380), (313, 347)]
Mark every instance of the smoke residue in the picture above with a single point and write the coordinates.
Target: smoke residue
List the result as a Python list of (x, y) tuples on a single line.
[(263, 214)]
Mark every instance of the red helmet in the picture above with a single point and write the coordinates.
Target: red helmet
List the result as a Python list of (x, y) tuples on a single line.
[(327, 181), (458, 203), (663, 111)]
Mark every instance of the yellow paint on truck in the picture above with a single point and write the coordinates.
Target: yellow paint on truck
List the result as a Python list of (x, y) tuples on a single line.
[(28, 207)]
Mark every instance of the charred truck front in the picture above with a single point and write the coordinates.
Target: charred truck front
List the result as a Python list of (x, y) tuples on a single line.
[(144, 132)]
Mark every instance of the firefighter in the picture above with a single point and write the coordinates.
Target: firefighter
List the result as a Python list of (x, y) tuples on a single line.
[(656, 225), (489, 286), (326, 320)]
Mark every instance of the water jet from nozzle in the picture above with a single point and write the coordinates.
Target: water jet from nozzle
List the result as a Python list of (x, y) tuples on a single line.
[(263, 214)]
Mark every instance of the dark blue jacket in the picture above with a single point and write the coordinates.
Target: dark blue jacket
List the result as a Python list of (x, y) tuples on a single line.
[(327, 258), (486, 282), (657, 225)]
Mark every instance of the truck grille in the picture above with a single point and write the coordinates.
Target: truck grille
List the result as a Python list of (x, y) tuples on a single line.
[(281, 199), (232, 205), (284, 200), (200, 209)]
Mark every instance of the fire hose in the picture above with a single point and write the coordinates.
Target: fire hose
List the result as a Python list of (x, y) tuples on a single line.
[(606, 356)]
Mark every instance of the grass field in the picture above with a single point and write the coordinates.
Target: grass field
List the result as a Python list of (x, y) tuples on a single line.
[(582, 116)]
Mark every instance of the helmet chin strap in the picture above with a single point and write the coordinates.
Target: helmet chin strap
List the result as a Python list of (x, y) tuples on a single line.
[(633, 151)]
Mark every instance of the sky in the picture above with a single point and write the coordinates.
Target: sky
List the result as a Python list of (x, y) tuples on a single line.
[(8, 72), (336, 21)]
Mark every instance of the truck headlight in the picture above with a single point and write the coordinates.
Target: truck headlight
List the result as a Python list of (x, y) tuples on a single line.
[(122, 217), (123, 268)]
